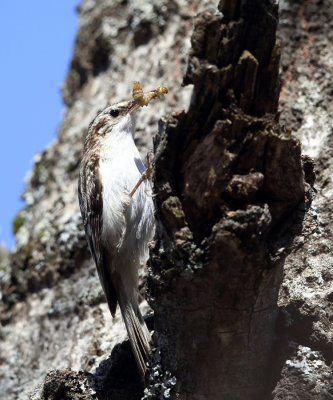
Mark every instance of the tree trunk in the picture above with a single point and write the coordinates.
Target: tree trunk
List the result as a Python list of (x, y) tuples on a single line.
[(229, 184), (240, 276)]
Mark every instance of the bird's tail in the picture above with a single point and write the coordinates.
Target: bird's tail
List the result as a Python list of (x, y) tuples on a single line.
[(137, 331)]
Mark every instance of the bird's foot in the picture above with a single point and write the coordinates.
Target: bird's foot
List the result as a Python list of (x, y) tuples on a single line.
[(145, 175)]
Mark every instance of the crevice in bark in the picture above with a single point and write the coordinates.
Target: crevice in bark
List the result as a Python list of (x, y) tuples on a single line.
[(227, 178)]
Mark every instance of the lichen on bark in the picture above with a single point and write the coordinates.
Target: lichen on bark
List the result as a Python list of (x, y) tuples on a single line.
[(213, 165)]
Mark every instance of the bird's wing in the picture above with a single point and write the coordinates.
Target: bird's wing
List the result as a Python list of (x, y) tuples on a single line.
[(91, 205)]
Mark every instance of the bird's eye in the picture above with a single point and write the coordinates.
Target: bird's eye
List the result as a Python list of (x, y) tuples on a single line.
[(114, 113)]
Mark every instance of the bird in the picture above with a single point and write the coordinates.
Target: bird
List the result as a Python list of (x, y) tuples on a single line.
[(116, 203)]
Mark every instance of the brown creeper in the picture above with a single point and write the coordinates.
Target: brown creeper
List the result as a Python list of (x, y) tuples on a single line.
[(118, 212)]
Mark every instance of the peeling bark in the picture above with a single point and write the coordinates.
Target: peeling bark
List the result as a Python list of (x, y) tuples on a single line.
[(241, 272), (228, 179)]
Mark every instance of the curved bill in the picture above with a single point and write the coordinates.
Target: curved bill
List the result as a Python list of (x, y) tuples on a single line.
[(133, 106)]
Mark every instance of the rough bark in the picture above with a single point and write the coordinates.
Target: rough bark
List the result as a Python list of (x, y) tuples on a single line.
[(304, 349), (229, 181), (240, 276), (53, 313)]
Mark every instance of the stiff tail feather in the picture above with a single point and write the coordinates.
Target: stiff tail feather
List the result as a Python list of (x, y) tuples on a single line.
[(137, 331)]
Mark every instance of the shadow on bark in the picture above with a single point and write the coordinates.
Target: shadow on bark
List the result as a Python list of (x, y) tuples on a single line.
[(115, 378), (230, 198)]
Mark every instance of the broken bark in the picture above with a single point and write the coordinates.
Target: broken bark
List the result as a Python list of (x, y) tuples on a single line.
[(228, 181), (219, 214)]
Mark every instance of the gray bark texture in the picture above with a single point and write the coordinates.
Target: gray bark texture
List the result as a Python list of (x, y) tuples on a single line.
[(240, 273)]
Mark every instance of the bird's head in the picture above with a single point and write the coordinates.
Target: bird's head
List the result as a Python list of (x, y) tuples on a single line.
[(117, 120), (120, 115)]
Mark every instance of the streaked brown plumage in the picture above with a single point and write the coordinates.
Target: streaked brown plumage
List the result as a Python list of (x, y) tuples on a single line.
[(118, 227), (117, 212)]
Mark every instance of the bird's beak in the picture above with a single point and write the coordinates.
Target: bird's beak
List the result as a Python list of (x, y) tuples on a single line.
[(132, 106)]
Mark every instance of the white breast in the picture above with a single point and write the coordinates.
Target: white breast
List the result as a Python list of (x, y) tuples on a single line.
[(127, 222)]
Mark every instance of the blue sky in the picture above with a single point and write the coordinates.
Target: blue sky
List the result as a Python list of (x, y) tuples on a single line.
[(36, 42)]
